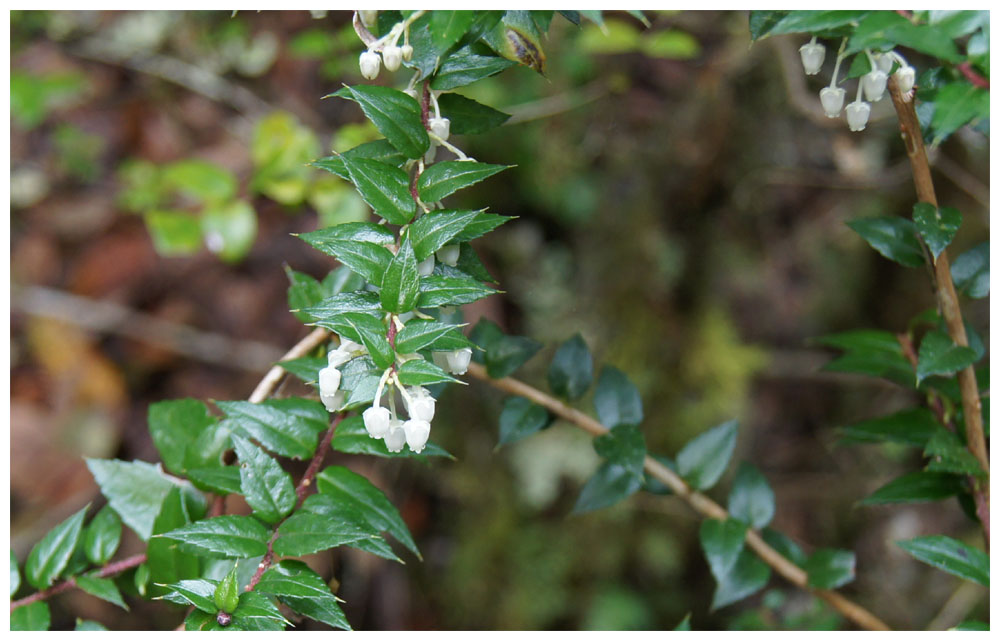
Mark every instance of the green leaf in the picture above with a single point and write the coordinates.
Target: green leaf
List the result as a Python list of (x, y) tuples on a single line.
[(326, 312), (468, 116), (784, 545), (198, 621), (366, 259), (268, 488), (685, 624), (257, 612), (448, 26), (352, 514), (303, 291), (420, 334), (893, 237), (196, 592), (520, 418), (351, 437), (366, 232), (949, 454), (722, 542), (200, 180), (972, 626), (175, 427), (507, 354), (870, 352), (609, 484), (438, 291), (367, 330), (442, 179), (572, 369), (50, 555), (464, 67), (347, 487), (887, 29), (401, 283), (385, 188), (421, 372), (15, 574), (165, 562), (748, 575), (219, 480), (305, 368), (305, 533), (954, 557), (102, 536), (435, 229), (625, 446), (483, 223), (652, 484), (909, 427), (227, 594), (937, 226), (517, 38), (762, 22), (971, 271), (939, 356), (360, 380), (174, 233), (380, 150), (751, 499), (300, 588), (704, 458), (918, 487), (101, 588), (616, 399), (395, 114), (955, 105), (229, 229), (829, 569), (288, 427), (88, 626), (239, 537), (34, 616)]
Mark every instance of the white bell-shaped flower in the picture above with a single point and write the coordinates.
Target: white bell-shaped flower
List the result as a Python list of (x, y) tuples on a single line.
[(377, 421), (905, 76), (407, 52), (873, 84), (426, 266), (857, 115), (338, 357), (458, 360), (370, 62), (420, 404), (441, 359), (440, 127), (392, 56), (813, 54), (449, 254), (368, 17), (416, 433), (329, 381), (351, 347), (832, 99), (334, 402), (884, 61), (395, 438)]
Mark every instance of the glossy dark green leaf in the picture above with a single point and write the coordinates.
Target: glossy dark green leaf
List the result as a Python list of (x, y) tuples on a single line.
[(939, 356), (520, 418), (784, 545), (104, 589), (239, 537), (751, 498), (102, 536), (325, 312), (323, 610), (468, 116), (306, 368), (198, 621), (351, 437), (360, 380), (481, 224), (616, 399), (296, 585), (762, 22), (435, 229), (885, 29), (368, 330), (257, 612), (959, 23), (303, 291), (516, 38), (305, 533), (385, 188), (950, 555), (175, 426), (748, 575), (165, 561), (893, 237), (401, 283), (829, 569), (625, 446), (288, 427), (218, 480), (395, 114), (722, 542), (380, 150), (442, 179), (196, 592), (438, 291), (469, 263), (572, 369), (918, 487), (227, 593), (463, 67), (352, 513), (420, 334), (268, 488), (610, 484), (704, 458), (971, 271), (937, 226), (31, 617), (421, 372), (909, 427), (949, 454), (345, 486), (367, 232), (448, 26), (366, 259), (806, 21), (49, 556)]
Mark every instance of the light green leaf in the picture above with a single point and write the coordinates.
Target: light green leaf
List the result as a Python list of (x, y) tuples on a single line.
[(442, 179), (704, 458), (448, 26), (829, 569), (15, 574), (616, 399), (751, 499), (937, 226), (88, 626), (520, 418), (174, 233), (200, 180), (918, 487), (400, 284), (102, 536), (886, 29), (305, 533), (229, 229), (34, 616), (572, 369), (49, 556), (229, 536), (808, 21), (939, 356), (227, 593), (101, 588), (971, 271), (955, 105), (395, 114), (722, 542), (385, 188), (972, 626), (288, 427), (893, 237), (268, 488)]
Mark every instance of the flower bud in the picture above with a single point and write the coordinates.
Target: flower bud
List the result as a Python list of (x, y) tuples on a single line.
[(905, 77), (392, 56), (369, 63), (449, 254), (395, 438), (368, 18), (416, 433), (458, 360), (873, 84), (420, 405), (832, 99), (329, 381), (377, 421), (813, 55), (857, 115), (407, 51), (333, 402), (426, 266), (440, 127)]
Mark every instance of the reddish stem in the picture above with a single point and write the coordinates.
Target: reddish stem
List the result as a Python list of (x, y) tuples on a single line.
[(425, 107), (110, 569), (973, 77)]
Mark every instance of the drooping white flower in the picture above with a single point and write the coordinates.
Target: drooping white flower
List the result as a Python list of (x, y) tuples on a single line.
[(426, 266), (407, 52), (420, 404), (449, 254), (395, 438), (857, 115), (884, 61), (440, 127), (905, 76), (458, 360), (813, 55), (392, 56), (377, 421), (335, 401), (329, 381), (416, 433), (370, 62), (873, 83), (832, 99)]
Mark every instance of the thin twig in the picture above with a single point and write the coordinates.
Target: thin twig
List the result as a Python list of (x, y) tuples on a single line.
[(108, 570), (270, 381), (948, 303), (698, 501)]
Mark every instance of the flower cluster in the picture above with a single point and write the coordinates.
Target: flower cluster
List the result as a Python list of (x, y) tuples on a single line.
[(871, 86), (393, 55), (329, 377)]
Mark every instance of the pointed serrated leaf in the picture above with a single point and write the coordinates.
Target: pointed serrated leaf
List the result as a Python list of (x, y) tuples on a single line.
[(893, 237), (438, 291), (572, 369), (748, 575), (49, 556), (420, 334), (468, 116), (463, 67), (230, 536), (704, 458), (751, 499), (950, 555), (939, 356), (971, 271), (722, 541), (305, 533), (918, 487), (102, 536), (395, 114), (937, 226), (401, 283), (435, 229), (421, 372), (520, 418), (288, 427), (104, 589), (385, 188), (442, 179), (609, 484), (829, 569), (32, 617), (368, 260), (268, 488), (196, 592)]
